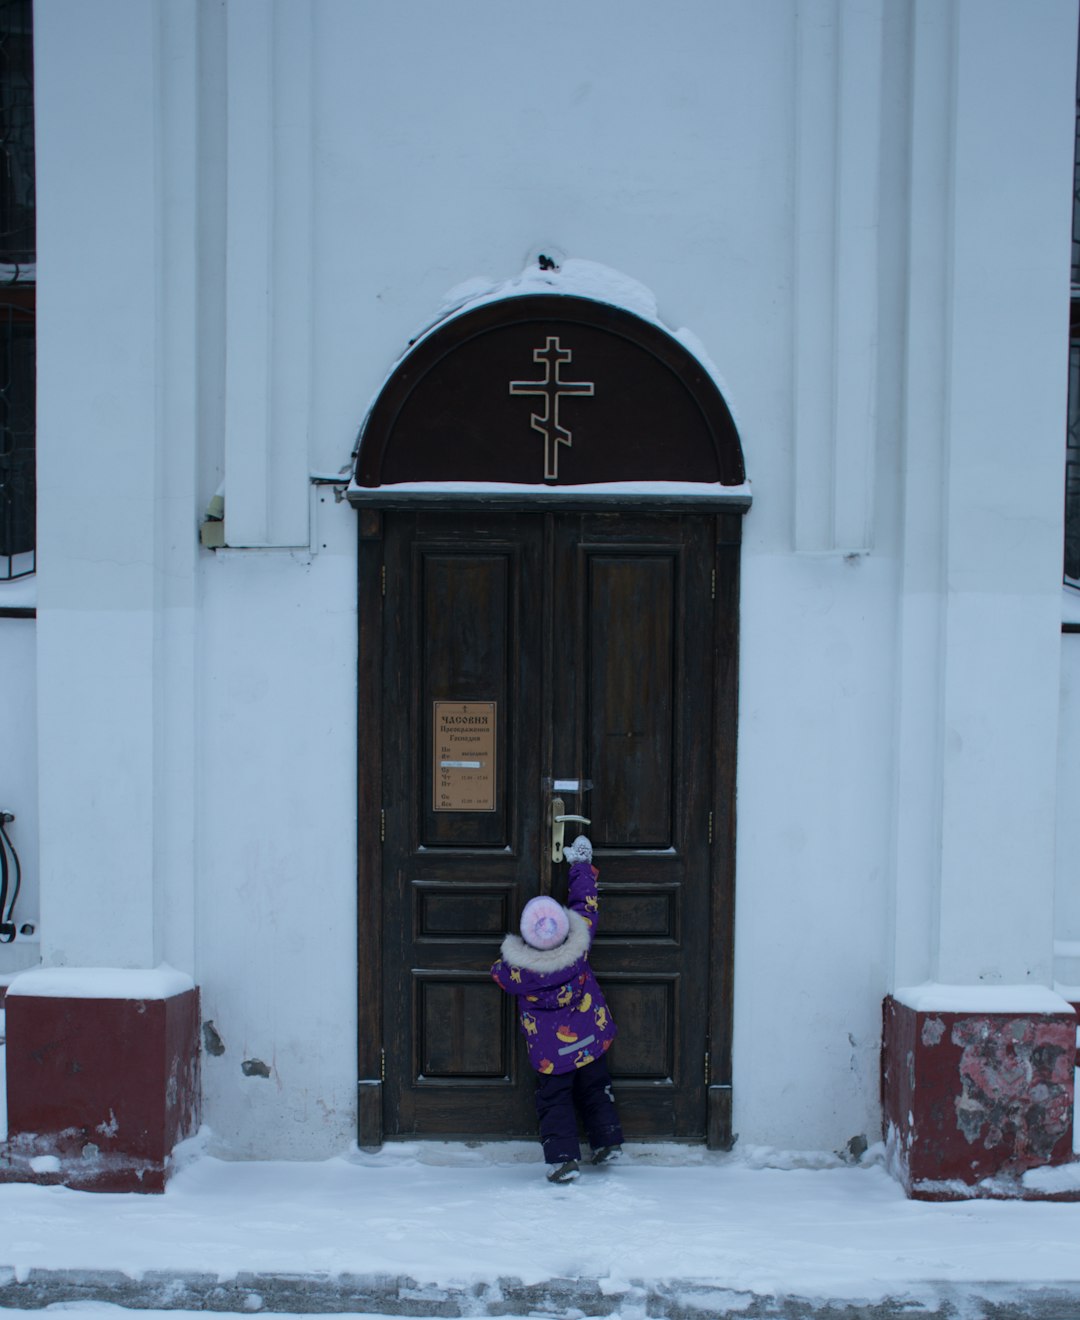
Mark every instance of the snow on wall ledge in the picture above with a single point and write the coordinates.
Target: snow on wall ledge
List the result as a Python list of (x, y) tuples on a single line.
[(162, 982), (574, 277), (649, 492), (935, 997)]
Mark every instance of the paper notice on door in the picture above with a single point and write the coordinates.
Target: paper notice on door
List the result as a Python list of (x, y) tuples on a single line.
[(463, 774)]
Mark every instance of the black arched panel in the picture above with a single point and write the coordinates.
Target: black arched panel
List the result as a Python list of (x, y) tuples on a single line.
[(549, 389)]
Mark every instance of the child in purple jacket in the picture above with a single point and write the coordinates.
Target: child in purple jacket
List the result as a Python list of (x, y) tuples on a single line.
[(565, 1019)]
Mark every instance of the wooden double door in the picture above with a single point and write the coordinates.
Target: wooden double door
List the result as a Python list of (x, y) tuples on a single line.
[(527, 659)]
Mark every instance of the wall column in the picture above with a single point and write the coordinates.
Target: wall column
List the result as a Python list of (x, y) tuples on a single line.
[(97, 522), (980, 601)]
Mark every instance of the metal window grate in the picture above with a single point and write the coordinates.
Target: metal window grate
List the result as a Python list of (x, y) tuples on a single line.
[(17, 447), (1072, 461), (17, 209), (17, 292), (1072, 442)]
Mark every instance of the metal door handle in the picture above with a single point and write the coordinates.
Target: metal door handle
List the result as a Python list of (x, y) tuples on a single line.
[(558, 827)]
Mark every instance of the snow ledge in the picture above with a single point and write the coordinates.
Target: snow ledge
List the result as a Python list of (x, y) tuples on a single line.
[(710, 493), (934, 997), (161, 982)]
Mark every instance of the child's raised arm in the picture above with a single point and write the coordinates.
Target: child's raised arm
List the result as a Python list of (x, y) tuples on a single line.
[(584, 893)]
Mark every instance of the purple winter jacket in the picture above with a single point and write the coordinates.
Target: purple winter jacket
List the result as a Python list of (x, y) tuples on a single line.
[(562, 1010)]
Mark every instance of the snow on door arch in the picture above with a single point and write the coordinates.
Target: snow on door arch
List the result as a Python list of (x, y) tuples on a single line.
[(550, 492)]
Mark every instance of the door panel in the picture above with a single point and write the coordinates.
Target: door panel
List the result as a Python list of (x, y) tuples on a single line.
[(630, 688), (455, 631), (467, 633), (588, 638), (460, 1026), (644, 713)]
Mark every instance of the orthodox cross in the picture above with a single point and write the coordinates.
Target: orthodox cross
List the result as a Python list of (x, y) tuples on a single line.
[(551, 389)]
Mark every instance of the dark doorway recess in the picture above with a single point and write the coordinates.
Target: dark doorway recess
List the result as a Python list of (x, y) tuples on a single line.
[(515, 650)]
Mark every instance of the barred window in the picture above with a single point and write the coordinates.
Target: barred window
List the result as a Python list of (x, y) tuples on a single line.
[(17, 290), (1072, 442), (1072, 450)]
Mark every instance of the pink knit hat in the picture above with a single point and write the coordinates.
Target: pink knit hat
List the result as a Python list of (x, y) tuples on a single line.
[(544, 923)]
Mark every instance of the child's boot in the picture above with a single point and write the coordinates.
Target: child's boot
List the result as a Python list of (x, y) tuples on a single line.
[(563, 1173), (607, 1154)]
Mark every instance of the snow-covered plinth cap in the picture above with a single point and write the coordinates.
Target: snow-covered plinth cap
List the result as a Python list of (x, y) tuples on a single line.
[(101, 983)]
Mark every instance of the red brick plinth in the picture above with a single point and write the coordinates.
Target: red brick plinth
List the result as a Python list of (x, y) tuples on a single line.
[(100, 1090), (973, 1101)]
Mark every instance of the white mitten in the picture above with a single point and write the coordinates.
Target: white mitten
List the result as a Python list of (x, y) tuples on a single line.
[(578, 851)]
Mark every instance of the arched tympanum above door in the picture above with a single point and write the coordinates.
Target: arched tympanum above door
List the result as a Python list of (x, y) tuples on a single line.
[(549, 388)]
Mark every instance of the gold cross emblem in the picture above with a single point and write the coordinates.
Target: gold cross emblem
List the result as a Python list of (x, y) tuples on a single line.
[(551, 389)]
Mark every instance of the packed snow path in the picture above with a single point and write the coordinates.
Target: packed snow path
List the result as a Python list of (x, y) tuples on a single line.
[(467, 1219)]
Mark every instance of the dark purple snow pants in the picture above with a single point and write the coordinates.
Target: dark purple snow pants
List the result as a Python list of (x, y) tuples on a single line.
[(589, 1089)]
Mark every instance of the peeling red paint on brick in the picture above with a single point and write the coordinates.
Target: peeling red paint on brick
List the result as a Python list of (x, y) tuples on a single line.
[(972, 1099), (1016, 1079), (1076, 1009)]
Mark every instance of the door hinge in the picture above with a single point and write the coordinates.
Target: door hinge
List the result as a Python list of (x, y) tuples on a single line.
[(713, 596), (706, 1067), (710, 828), (382, 825), (382, 1065), (383, 578)]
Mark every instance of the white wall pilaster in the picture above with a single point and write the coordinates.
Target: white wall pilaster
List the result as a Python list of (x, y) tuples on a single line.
[(917, 846), (1014, 98), (268, 272), (117, 526), (176, 824), (97, 265), (837, 144), (982, 539), (1067, 890)]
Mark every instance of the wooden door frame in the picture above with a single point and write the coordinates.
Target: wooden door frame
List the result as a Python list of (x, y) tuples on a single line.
[(371, 587)]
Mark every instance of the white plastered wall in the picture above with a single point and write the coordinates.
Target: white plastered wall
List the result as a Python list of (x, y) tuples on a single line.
[(981, 483), (1067, 894), (747, 162), (18, 773)]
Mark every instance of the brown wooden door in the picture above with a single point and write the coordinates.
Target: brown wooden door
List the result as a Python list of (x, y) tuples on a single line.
[(561, 647)]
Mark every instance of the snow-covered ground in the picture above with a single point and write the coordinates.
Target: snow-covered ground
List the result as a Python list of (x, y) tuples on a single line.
[(450, 1215), (758, 1221)]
